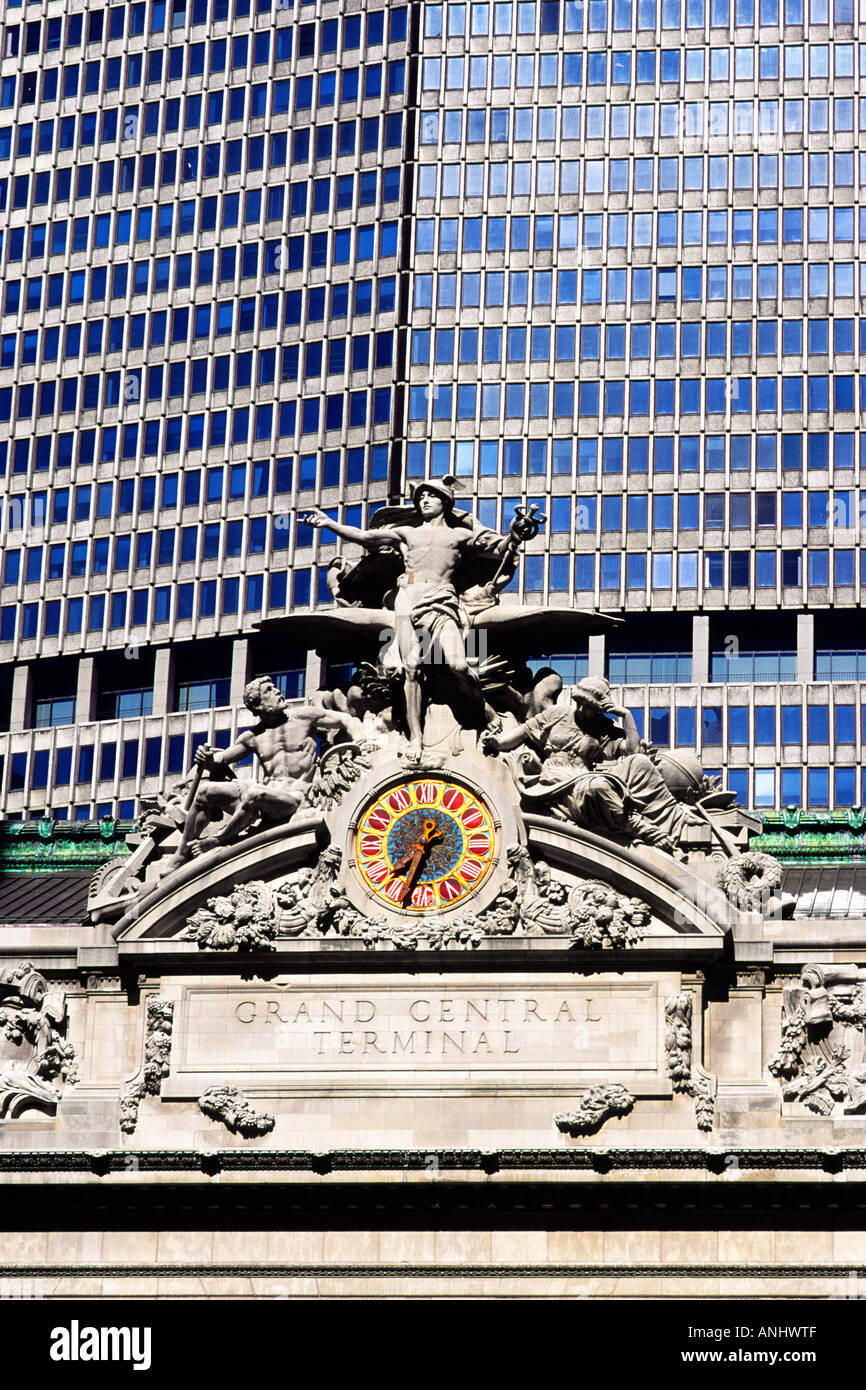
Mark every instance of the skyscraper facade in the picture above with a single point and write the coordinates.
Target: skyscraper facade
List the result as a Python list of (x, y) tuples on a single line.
[(600, 256)]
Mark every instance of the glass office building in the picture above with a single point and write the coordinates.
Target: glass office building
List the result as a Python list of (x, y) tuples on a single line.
[(256, 256)]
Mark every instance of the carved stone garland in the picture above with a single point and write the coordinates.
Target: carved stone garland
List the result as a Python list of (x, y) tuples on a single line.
[(157, 1052), (822, 1053), (688, 1077), (595, 1106), (229, 1106)]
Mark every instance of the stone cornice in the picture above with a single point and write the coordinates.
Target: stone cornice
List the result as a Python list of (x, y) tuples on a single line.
[(431, 1271), (715, 1160)]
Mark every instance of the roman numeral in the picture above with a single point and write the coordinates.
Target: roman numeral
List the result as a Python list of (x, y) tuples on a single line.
[(450, 889)]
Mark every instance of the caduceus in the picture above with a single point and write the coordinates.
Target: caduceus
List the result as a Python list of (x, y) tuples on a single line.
[(526, 525)]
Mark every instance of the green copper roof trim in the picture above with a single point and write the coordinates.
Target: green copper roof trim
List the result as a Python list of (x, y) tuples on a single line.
[(814, 837), (53, 846), (56, 846)]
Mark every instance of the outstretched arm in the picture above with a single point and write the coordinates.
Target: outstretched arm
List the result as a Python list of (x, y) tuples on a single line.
[(327, 721), (526, 524), (369, 539), (490, 542)]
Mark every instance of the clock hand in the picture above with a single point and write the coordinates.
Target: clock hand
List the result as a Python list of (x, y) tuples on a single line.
[(412, 871), (412, 860), (430, 834)]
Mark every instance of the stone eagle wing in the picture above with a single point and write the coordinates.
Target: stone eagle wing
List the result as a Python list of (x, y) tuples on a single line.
[(338, 769)]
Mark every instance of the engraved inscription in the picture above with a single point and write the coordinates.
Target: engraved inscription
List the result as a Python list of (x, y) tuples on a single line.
[(481, 1031)]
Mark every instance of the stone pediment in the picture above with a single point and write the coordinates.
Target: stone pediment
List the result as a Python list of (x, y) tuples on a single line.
[(552, 886)]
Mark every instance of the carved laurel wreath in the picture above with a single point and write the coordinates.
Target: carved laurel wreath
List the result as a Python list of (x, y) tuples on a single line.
[(749, 879)]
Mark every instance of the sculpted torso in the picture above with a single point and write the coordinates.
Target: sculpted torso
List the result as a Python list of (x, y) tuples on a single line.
[(285, 751), (430, 553)]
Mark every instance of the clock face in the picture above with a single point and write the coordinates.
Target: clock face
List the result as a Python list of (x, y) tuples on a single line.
[(425, 845)]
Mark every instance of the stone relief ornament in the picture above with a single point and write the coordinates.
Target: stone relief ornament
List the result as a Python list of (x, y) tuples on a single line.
[(822, 1055), (704, 1088), (35, 1058), (433, 933), (304, 899), (688, 1077), (602, 918), (534, 903), (595, 1107), (338, 768), (242, 921), (308, 903), (752, 881), (159, 1015), (678, 1040), (311, 902), (228, 1106)]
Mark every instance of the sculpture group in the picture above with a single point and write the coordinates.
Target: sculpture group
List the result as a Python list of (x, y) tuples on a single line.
[(452, 749), (444, 668)]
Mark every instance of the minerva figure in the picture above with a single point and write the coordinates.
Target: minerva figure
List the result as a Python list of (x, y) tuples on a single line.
[(434, 544)]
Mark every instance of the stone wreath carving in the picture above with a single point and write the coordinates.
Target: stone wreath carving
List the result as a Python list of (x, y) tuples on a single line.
[(821, 1059), (157, 1053), (35, 1058), (595, 1107), (751, 880), (228, 1106), (688, 1077)]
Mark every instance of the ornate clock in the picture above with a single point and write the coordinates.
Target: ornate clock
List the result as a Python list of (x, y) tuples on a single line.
[(425, 844)]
